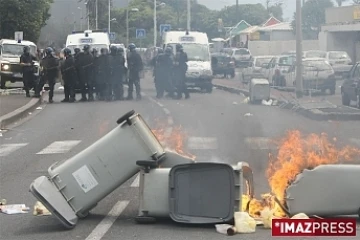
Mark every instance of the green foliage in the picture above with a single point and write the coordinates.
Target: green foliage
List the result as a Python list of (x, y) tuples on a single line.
[(28, 16), (313, 16)]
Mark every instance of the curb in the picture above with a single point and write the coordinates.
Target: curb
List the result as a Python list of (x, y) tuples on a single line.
[(314, 114), (19, 113)]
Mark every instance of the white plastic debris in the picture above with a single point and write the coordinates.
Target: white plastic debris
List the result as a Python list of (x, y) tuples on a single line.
[(30, 113), (61, 88), (300, 216), (267, 217), (235, 103), (40, 210), (248, 115), (275, 103), (267, 103), (244, 223), (38, 108), (225, 229), (14, 209), (246, 100)]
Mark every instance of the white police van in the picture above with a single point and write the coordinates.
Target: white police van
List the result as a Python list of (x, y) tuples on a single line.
[(94, 38), (197, 47), (10, 52)]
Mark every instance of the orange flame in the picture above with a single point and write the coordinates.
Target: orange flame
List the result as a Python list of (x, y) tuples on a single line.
[(174, 140)]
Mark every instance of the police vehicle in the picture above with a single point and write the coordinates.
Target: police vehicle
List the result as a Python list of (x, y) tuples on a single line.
[(94, 38), (196, 46), (10, 52)]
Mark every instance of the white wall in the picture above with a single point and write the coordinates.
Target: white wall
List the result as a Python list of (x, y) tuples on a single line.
[(259, 48)]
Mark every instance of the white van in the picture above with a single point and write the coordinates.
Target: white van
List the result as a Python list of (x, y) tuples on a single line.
[(95, 38), (197, 47), (10, 52)]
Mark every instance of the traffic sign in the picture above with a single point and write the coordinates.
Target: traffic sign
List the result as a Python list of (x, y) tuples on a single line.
[(164, 28), (112, 36), (19, 36), (140, 33)]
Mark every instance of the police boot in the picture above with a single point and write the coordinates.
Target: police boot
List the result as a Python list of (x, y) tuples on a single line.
[(27, 94), (138, 96), (71, 100), (51, 100), (129, 97), (65, 100)]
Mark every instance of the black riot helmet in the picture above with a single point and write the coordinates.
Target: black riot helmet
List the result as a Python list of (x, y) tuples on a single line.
[(94, 52), (160, 51), (113, 50), (132, 47), (77, 50), (86, 48), (103, 51), (179, 47), (67, 52), (26, 49), (168, 50), (49, 51), (120, 51)]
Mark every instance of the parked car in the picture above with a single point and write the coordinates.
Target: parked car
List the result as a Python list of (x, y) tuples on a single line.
[(255, 67), (351, 86), (223, 64), (318, 74), (242, 56), (275, 69), (314, 54), (341, 62)]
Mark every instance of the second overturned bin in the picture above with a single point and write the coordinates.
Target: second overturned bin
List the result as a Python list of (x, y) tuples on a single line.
[(92, 174), (327, 190)]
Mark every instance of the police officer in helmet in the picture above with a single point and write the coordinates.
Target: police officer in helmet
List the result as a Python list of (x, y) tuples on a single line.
[(103, 74), (26, 61), (135, 66), (69, 75), (85, 60), (50, 65), (163, 72), (180, 72), (117, 72)]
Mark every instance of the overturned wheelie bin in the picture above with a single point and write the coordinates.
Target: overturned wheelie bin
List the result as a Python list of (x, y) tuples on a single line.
[(76, 185), (326, 190), (193, 193)]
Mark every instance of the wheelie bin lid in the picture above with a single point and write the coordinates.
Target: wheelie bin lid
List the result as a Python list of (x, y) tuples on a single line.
[(202, 193)]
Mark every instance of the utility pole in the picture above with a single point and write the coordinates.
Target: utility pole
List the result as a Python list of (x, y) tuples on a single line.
[(237, 9), (109, 15), (299, 53), (155, 23), (96, 17), (189, 15), (127, 23)]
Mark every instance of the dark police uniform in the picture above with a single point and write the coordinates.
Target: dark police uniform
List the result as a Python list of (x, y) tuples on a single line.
[(163, 74), (135, 66), (50, 65), (27, 70), (118, 70), (69, 76), (103, 76), (85, 65), (180, 72)]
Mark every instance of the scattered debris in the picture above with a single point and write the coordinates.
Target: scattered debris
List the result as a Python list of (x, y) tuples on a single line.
[(275, 103), (226, 229), (248, 115), (235, 103), (40, 210), (30, 113), (267, 216), (61, 88), (244, 223), (300, 216), (267, 103), (246, 100), (14, 209), (3, 202), (38, 108)]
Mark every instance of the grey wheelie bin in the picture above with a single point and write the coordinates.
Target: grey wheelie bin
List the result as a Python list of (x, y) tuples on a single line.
[(326, 190), (76, 185), (195, 193)]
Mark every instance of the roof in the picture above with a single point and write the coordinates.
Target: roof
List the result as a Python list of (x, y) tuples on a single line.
[(272, 18), (250, 30), (264, 56), (284, 26), (239, 27), (12, 41)]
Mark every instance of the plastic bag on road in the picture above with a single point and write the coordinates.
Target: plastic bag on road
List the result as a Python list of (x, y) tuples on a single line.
[(244, 223), (226, 229), (267, 103), (40, 210), (14, 209)]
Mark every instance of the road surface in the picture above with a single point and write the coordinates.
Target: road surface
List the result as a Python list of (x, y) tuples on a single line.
[(217, 129)]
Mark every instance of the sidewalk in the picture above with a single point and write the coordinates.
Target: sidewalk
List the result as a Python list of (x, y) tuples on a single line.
[(9, 103)]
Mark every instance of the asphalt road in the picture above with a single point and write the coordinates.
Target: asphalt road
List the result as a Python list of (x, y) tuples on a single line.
[(217, 129)]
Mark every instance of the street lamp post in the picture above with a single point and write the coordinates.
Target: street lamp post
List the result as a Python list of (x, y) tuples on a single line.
[(109, 16), (96, 14), (87, 15), (127, 22), (298, 81), (81, 18), (155, 20), (188, 15)]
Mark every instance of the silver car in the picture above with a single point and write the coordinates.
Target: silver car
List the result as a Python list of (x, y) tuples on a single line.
[(255, 67)]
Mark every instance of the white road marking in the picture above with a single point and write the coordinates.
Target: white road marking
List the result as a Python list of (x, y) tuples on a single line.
[(136, 182), (202, 143), (6, 149), (260, 143), (59, 147), (104, 226)]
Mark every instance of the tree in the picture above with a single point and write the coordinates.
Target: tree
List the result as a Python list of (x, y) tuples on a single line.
[(313, 17), (274, 8), (103, 10), (356, 1), (340, 2), (254, 14), (28, 16)]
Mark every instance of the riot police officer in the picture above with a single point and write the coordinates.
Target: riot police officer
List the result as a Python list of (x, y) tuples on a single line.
[(117, 72), (163, 70), (135, 66), (26, 60), (103, 75), (69, 75), (85, 64), (95, 78), (76, 51), (180, 72), (50, 66)]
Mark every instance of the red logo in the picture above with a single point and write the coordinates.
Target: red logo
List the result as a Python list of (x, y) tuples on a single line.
[(334, 227)]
